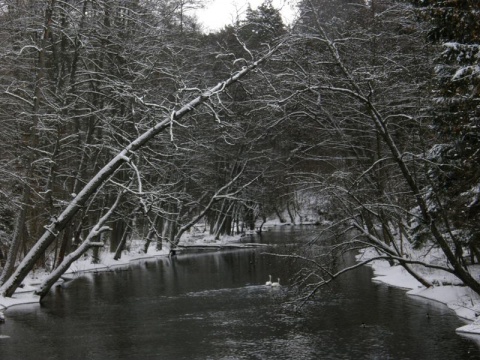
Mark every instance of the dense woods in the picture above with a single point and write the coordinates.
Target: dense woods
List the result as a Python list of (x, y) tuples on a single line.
[(122, 120)]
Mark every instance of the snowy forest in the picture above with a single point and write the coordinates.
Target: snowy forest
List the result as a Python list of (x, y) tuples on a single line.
[(123, 119)]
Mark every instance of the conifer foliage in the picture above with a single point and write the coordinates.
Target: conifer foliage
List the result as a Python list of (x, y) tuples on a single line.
[(455, 180)]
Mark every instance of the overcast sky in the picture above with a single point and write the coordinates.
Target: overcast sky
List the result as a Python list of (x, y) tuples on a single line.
[(218, 13)]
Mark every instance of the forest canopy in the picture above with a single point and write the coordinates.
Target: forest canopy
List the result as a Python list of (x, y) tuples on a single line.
[(123, 120)]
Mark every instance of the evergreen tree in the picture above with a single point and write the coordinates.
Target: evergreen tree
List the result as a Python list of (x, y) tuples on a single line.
[(262, 25), (455, 178)]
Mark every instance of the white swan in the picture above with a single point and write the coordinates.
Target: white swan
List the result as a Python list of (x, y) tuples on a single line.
[(269, 282), (276, 283)]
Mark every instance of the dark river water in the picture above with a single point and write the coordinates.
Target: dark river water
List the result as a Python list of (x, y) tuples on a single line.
[(214, 305)]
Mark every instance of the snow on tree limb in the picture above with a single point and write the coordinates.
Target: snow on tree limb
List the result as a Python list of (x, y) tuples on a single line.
[(57, 225), (87, 244)]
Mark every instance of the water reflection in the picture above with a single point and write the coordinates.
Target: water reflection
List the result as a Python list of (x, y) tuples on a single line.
[(215, 306)]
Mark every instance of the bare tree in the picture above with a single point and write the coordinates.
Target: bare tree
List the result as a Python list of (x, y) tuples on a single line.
[(66, 216), (371, 142)]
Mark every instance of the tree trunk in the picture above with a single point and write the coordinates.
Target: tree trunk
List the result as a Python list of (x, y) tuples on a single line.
[(52, 230), (118, 229), (16, 239), (65, 244), (280, 217), (97, 230), (121, 244), (260, 228), (222, 223), (152, 232), (292, 217)]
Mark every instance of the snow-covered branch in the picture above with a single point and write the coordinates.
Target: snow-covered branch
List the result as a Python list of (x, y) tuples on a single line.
[(9, 287), (99, 228)]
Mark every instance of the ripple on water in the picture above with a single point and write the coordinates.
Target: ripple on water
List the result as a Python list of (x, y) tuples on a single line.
[(292, 346), (245, 291)]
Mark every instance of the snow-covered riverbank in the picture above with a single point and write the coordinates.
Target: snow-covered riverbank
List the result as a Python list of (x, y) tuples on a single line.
[(25, 294), (460, 299)]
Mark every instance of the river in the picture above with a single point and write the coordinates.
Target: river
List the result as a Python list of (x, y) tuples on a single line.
[(213, 305)]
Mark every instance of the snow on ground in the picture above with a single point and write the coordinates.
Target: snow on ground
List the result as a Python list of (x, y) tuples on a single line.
[(25, 295), (460, 299)]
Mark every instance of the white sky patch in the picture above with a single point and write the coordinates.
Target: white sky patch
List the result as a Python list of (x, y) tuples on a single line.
[(218, 13)]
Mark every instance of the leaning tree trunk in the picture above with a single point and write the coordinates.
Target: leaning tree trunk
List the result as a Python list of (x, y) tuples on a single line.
[(381, 125), (97, 230), (56, 226)]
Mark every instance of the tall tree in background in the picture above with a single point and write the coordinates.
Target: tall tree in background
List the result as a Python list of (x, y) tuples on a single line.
[(110, 70), (340, 114), (255, 111), (99, 67), (367, 80), (261, 25), (23, 111), (454, 194)]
